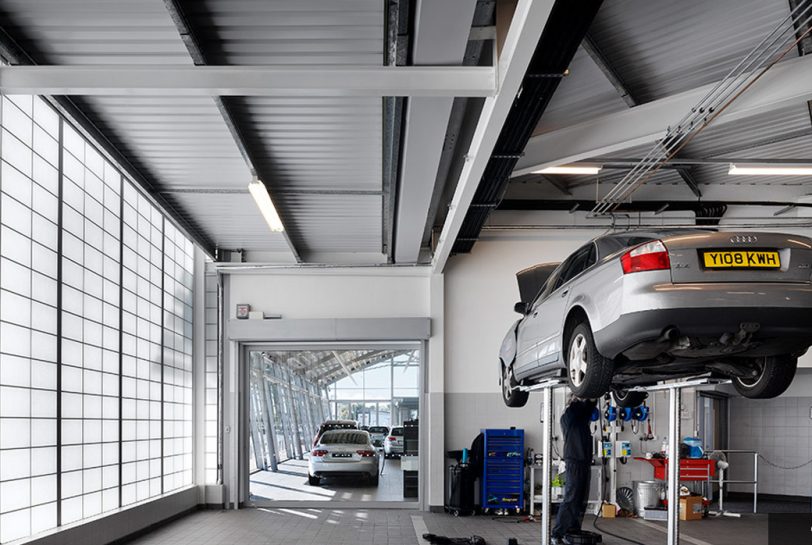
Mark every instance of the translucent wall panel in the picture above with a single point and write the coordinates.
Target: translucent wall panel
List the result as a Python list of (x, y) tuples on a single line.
[(91, 252), (29, 187), (142, 370), (95, 331), (177, 360)]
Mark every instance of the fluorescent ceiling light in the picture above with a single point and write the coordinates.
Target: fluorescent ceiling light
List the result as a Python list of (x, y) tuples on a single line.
[(573, 169), (263, 200), (770, 170)]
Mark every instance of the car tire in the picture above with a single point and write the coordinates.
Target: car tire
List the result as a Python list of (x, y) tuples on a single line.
[(589, 373), (775, 376), (625, 398), (510, 395), (313, 480), (374, 479)]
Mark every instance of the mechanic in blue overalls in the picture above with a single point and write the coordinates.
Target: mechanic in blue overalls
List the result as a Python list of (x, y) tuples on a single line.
[(578, 458)]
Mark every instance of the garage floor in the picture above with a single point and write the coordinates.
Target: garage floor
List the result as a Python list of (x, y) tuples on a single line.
[(290, 484), (402, 527)]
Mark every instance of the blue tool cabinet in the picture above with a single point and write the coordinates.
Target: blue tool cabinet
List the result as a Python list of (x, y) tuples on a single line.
[(503, 470)]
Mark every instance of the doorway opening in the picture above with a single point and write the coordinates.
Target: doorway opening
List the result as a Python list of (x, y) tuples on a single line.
[(333, 424)]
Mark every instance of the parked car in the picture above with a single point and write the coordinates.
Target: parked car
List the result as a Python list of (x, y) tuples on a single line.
[(378, 434), (634, 308), (328, 425), (343, 452), (393, 444)]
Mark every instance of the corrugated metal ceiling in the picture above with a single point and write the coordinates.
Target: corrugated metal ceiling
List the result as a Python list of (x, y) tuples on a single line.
[(301, 144), (310, 144), (662, 48), (585, 93)]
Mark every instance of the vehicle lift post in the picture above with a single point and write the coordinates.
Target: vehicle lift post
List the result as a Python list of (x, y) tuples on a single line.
[(546, 387), (674, 433), (674, 405)]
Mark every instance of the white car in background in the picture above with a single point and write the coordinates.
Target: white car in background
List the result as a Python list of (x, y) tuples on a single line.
[(342, 453), (378, 434), (393, 444)]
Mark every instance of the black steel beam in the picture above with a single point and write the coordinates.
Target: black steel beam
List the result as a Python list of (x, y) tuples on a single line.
[(609, 72), (80, 112), (199, 56), (690, 181), (564, 31), (399, 21)]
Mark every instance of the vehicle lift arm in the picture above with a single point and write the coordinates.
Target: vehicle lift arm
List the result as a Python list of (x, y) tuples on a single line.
[(674, 404)]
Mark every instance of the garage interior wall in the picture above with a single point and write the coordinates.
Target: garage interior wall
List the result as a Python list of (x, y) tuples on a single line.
[(361, 293)]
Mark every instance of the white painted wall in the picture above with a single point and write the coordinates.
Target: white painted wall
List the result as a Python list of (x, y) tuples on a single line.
[(480, 290), (363, 293), (349, 293)]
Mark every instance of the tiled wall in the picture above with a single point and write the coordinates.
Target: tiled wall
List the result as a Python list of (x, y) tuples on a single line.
[(781, 431)]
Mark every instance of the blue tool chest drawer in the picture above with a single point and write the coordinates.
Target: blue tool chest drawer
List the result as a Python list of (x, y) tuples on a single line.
[(503, 470)]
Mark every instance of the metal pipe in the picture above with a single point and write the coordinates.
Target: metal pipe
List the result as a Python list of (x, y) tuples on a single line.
[(755, 484), (674, 402), (546, 463), (736, 82), (530, 227)]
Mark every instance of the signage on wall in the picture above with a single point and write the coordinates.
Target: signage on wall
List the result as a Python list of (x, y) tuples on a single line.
[(243, 311)]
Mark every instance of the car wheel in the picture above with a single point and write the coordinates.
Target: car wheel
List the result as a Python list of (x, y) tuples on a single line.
[(374, 479), (625, 398), (775, 374), (588, 372), (512, 396), (313, 480)]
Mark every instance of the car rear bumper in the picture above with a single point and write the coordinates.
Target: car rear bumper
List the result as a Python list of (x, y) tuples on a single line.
[(782, 311), (368, 466)]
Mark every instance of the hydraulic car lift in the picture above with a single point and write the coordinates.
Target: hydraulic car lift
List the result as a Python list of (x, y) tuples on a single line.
[(674, 403)]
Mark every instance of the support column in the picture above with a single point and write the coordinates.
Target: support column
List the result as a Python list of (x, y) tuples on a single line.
[(252, 411), (546, 464), (674, 403), (297, 436), (270, 431)]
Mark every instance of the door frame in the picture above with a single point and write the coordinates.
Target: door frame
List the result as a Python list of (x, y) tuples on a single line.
[(243, 349)]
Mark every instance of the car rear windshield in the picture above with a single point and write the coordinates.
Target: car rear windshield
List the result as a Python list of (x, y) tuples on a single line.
[(378, 429), (344, 438), (335, 426), (397, 432)]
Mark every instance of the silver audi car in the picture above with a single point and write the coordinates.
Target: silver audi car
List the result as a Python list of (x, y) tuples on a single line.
[(343, 453), (634, 308)]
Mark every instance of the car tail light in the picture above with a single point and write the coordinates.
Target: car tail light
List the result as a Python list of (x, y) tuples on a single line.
[(319, 452), (651, 256), (391, 438), (366, 453)]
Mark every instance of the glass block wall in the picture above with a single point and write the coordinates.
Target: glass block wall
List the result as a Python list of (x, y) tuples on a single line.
[(95, 331)]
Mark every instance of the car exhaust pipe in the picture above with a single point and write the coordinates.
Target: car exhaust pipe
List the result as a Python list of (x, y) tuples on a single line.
[(670, 335)]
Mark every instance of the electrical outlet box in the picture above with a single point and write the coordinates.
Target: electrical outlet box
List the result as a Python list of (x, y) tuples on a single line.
[(623, 449), (606, 449)]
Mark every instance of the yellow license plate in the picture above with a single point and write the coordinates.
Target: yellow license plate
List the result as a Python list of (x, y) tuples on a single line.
[(743, 259)]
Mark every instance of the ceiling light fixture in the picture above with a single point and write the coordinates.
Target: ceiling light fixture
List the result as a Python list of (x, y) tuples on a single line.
[(770, 170), (570, 169), (263, 200)]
